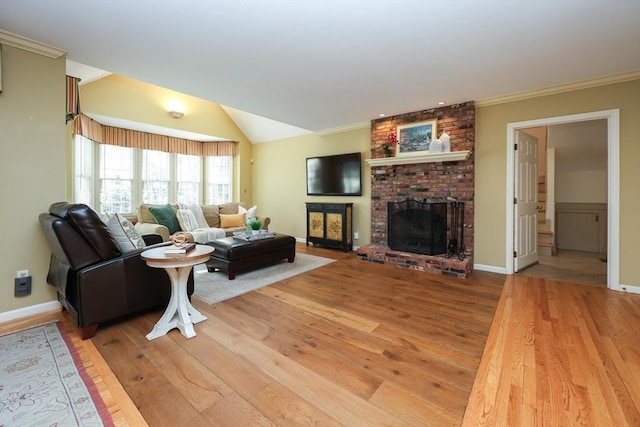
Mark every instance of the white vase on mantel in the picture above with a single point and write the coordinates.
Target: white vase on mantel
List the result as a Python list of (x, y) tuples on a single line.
[(446, 142), (435, 146)]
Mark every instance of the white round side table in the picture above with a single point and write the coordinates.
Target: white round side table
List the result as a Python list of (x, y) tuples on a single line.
[(179, 313)]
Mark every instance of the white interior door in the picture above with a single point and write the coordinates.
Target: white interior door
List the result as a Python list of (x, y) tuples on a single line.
[(526, 191)]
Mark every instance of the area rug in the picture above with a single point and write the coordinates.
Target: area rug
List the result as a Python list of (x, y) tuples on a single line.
[(43, 381), (216, 287)]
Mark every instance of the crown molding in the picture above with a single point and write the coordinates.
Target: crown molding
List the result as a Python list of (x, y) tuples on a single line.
[(346, 128), (585, 84), (24, 43)]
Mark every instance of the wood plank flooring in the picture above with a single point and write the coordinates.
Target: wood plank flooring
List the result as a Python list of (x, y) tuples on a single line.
[(347, 344), (359, 344), (571, 266), (559, 354)]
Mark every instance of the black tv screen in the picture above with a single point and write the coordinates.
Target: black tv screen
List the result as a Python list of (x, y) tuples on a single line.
[(337, 175)]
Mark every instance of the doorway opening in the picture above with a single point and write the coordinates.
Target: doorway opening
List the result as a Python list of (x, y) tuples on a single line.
[(608, 244)]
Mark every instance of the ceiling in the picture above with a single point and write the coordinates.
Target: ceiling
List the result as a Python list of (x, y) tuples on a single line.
[(299, 66)]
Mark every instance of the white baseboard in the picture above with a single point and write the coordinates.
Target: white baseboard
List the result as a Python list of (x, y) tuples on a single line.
[(30, 311), (490, 268), (630, 289)]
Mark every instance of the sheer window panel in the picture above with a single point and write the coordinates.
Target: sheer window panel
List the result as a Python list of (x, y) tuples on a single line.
[(116, 179), (156, 176), (188, 177), (83, 170), (219, 179)]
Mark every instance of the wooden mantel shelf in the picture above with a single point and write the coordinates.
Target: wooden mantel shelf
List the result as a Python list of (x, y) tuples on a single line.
[(453, 156)]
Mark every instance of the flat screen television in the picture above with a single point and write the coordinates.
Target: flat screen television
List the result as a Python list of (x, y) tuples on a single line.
[(337, 175)]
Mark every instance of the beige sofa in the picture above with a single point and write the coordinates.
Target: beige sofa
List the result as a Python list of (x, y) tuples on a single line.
[(221, 220)]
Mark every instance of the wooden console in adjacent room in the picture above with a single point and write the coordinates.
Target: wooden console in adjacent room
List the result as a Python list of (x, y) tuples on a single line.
[(330, 224)]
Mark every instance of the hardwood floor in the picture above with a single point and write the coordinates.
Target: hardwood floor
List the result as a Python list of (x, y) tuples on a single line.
[(559, 354), (348, 344), (571, 266), (355, 343)]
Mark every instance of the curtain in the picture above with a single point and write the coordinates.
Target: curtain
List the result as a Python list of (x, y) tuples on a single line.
[(221, 148), (0, 68), (103, 134), (83, 125), (73, 98), (114, 136)]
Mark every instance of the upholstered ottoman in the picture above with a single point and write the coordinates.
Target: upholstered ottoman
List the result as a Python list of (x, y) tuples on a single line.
[(233, 255)]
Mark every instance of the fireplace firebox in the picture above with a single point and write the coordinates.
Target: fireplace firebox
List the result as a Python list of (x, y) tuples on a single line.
[(417, 227)]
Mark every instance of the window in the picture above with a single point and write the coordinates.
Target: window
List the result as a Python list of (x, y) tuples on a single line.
[(116, 179), (188, 178), (82, 170), (219, 179), (156, 168)]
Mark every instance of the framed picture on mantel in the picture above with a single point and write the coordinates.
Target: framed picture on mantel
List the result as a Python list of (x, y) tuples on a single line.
[(414, 138)]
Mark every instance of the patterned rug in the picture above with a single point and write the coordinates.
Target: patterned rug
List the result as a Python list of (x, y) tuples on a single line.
[(44, 383), (216, 287)]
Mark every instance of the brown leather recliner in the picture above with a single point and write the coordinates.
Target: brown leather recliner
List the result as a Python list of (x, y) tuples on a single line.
[(95, 281)]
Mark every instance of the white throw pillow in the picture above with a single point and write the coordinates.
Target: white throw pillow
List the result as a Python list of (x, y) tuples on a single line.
[(242, 210), (125, 234), (200, 219), (186, 219), (251, 212)]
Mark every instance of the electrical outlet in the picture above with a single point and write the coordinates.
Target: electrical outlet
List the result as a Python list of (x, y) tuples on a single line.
[(22, 273)]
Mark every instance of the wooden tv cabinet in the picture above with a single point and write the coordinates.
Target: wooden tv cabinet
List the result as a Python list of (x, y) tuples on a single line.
[(330, 224)]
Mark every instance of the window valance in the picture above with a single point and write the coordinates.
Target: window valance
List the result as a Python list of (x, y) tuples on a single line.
[(103, 134)]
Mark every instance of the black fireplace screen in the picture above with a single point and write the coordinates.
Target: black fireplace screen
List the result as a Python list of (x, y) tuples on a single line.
[(417, 227)]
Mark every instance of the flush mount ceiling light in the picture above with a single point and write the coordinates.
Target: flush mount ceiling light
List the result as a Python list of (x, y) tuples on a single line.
[(176, 109), (441, 103)]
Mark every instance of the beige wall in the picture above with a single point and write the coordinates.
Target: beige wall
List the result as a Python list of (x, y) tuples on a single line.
[(280, 190), (279, 180), (34, 137), (491, 136), (581, 186), (32, 176), (133, 100)]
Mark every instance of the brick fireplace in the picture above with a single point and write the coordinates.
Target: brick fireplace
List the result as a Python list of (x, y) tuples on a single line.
[(426, 178)]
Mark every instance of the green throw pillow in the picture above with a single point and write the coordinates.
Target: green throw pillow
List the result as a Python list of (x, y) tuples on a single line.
[(165, 215)]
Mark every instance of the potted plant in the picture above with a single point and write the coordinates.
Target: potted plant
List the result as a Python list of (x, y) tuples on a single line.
[(255, 226), (389, 147)]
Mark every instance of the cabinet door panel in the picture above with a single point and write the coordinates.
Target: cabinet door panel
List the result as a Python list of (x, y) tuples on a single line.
[(334, 226), (316, 224)]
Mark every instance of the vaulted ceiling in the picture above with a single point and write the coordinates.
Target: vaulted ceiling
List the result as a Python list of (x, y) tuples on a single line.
[(321, 65)]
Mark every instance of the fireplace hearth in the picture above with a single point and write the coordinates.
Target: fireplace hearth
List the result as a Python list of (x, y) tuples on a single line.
[(424, 236)]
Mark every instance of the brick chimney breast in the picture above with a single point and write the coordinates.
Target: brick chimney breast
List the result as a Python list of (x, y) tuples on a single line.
[(435, 182)]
